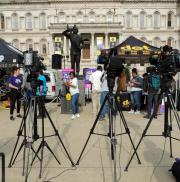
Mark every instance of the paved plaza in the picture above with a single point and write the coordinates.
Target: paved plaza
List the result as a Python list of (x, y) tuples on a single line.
[(96, 164)]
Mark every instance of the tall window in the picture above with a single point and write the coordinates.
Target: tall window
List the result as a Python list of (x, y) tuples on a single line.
[(28, 21), (109, 17), (43, 44), (42, 21), (29, 44), (142, 19), (80, 17), (170, 19), (129, 19), (15, 43), (156, 19), (2, 22), (92, 17), (62, 17), (170, 42), (157, 42), (14, 21)]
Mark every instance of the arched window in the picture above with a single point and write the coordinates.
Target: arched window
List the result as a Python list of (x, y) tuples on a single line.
[(28, 21), (29, 44), (142, 19), (156, 19), (43, 44), (2, 22), (15, 43), (92, 17), (157, 42), (14, 21), (79, 17), (42, 21), (170, 42), (109, 17), (61, 17), (129, 19), (170, 19)]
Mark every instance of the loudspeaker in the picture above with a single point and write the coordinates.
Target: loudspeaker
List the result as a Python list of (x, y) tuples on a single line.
[(56, 61)]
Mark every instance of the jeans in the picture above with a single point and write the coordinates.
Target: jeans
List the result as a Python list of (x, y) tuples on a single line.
[(74, 102), (136, 99), (153, 103), (106, 107)]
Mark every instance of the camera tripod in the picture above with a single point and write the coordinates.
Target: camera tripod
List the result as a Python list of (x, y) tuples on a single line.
[(36, 136), (169, 105), (30, 108), (112, 100)]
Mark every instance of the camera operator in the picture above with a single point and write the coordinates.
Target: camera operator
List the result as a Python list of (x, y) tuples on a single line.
[(41, 92), (153, 90), (15, 82), (136, 85)]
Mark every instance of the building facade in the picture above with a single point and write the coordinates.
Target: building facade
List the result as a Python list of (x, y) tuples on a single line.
[(39, 24)]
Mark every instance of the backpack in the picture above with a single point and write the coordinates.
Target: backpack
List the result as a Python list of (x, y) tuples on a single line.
[(155, 82), (176, 170)]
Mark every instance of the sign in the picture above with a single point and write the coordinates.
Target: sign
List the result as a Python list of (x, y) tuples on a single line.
[(57, 39), (100, 45), (134, 50), (1, 58), (87, 72), (112, 41), (65, 74)]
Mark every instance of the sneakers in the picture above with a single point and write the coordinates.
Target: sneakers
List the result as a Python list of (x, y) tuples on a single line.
[(73, 116), (11, 118), (147, 116), (131, 111), (137, 112), (77, 115), (19, 116)]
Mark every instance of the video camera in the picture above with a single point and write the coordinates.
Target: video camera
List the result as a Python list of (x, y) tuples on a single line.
[(33, 64), (113, 65), (166, 64)]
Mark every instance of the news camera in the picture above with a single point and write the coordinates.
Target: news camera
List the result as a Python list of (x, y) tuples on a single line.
[(33, 64), (113, 64), (166, 64)]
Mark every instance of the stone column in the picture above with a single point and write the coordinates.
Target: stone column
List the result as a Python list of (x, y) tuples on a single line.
[(92, 47), (64, 46), (106, 40)]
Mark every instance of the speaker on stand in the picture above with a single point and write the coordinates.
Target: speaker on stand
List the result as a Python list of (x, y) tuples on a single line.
[(56, 61)]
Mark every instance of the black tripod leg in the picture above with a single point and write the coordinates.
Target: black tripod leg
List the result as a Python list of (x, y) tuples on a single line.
[(143, 134), (41, 161), (19, 134), (92, 129), (53, 153), (57, 134), (170, 142), (36, 154), (126, 128), (17, 153)]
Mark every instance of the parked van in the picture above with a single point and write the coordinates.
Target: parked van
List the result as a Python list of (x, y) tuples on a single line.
[(53, 83)]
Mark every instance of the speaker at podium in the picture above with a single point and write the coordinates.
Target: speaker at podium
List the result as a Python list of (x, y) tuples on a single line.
[(56, 61)]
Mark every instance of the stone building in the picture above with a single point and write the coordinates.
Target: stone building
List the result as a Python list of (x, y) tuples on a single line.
[(39, 24)]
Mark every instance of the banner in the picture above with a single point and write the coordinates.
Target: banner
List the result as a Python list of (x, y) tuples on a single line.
[(100, 45), (87, 72), (65, 74)]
